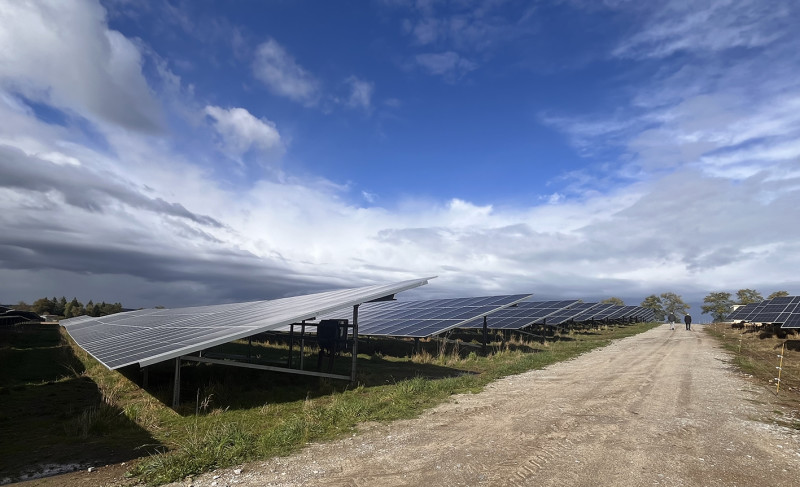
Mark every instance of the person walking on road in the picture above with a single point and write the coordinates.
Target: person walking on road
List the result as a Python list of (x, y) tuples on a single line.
[(688, 320), (672, 319)]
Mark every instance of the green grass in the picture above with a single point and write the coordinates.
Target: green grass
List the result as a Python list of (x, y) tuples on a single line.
[(756, 352), (48, 405), (246, 415)]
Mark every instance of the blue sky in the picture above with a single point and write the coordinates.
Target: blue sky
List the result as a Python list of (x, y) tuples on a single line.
[(182, 153)]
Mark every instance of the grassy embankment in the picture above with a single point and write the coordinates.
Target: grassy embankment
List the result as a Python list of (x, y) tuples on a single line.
[(53, 414), (756, 351), (242, 414)]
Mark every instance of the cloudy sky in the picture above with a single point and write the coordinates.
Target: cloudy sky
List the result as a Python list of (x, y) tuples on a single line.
[(179, 153)]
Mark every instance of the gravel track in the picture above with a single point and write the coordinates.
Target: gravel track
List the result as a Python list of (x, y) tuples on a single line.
[(660, 408)]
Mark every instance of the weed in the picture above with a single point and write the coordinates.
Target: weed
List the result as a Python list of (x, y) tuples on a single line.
[(201, 449)]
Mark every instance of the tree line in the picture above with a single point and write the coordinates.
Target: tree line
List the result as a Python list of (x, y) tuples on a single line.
[(69, 309), (717, 304), (720, 304)]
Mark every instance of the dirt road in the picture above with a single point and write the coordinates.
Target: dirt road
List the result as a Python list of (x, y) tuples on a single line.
[(660, 408)]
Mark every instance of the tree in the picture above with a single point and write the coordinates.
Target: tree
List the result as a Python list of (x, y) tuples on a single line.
[(74, 308), (673, 304), (61, 307), (718, 305), (613, 300), (778, 294), (43, 306), (654, 302), (747, 296)]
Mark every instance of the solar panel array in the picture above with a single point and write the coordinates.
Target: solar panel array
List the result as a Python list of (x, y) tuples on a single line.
[(626, 312), (784, 309), (150, 336), (522, 314), (421, 319), (743, 312), (777, 310), (793, 320), (647, 314), (598, 312), (569, 314)]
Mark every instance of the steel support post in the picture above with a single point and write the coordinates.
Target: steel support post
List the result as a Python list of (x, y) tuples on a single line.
[(176, 391), (302, 344), (485, 335), (355, 343), (291, 343)]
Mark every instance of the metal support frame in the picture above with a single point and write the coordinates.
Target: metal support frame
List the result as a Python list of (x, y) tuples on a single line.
[(531, 334), (270, 368), (302, 344), (485, 335), (355, 343), (291, 345), (176, 390)]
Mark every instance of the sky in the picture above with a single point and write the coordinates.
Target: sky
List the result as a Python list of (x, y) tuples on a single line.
[(180, 153)]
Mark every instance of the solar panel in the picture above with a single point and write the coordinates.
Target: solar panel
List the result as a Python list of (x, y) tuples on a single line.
[(601, 314), (566, 315), (793, 319), (591, 313), (754, 311), (624, 312), (522, 315), (420, 319), (742, 311), (776, 310), (150, 336)]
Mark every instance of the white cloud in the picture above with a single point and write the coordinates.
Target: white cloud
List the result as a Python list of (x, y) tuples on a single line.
[(59, 159), (369, 197), (733, 115), (360, 93), (713, 25), (448, 64), (278, 70), (426, 30), (145, 219), (62, 53), (466, 26), (456, 34), (241, 131), (162, 232)]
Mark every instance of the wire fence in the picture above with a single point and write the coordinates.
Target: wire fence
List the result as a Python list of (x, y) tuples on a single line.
[(781, 368)]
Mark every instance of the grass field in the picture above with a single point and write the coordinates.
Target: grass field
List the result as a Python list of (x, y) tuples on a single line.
[(757, 351), (52, 413), (54, 396)]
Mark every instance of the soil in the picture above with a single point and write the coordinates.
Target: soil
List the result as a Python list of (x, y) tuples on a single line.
[(661, 408)]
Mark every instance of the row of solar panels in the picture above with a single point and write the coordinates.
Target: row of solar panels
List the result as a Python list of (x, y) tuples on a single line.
[(150, 336), (785, 310), (421, 319)]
